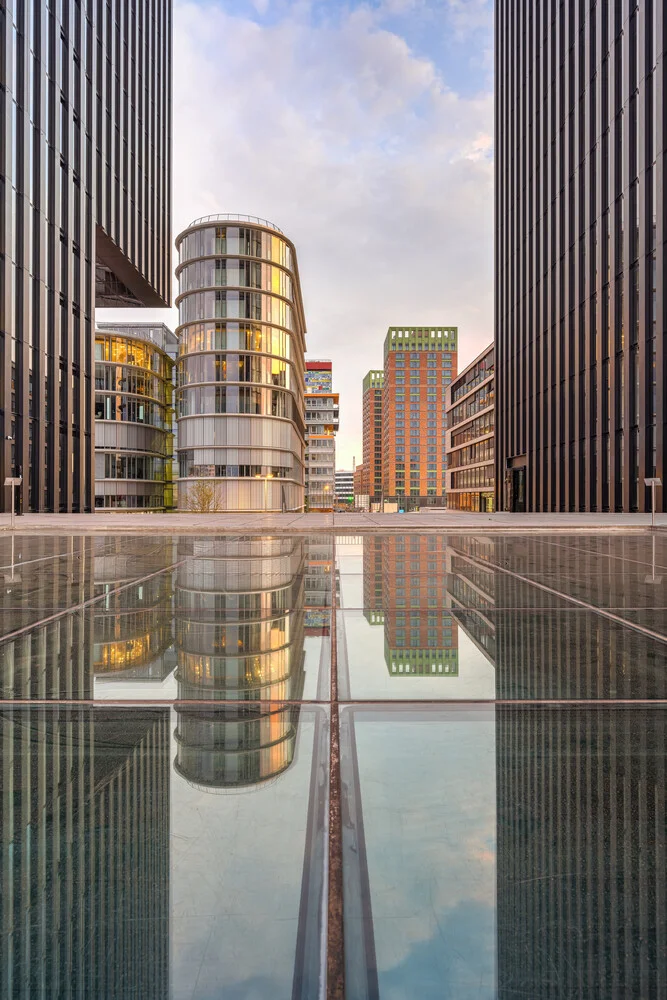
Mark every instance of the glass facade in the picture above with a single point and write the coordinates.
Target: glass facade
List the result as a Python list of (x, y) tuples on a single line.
[(580, 255), (134, 416), (240, 369), (470, 437), (85, 161)]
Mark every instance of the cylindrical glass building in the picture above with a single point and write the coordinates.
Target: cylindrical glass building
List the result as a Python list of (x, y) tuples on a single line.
[(240, 371)]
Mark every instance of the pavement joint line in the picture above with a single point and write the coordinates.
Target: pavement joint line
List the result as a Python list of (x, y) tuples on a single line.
[(364, 702), (335, 964), (88, 603), (583, 604)]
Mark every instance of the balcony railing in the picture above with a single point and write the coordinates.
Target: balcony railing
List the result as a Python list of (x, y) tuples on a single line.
[(230, 217)]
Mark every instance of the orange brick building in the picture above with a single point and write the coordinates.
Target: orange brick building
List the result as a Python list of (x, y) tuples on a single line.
[(419, 364), (405, 591)]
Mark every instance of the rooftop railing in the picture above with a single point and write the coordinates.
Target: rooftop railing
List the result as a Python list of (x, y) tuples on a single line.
[(230, 217)]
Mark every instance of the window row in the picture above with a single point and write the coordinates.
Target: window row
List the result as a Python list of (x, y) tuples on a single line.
[(476, 428), (234, 368), (236, 399), (235, 305), (480, 400), (129, 467), (482, 370), (236, 240), (126, 408), (467, 478), (235, 273), (189, 469), (474, 453), (235, 337), (132, 352), (128, 500), (120, 378)]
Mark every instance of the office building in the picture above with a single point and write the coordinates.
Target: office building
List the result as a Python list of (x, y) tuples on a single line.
[(134, 416), (344, 486), (321, 406), (240, 377), (371, 476), (85, 221), (581, 409), (470, 438), (419, 364)]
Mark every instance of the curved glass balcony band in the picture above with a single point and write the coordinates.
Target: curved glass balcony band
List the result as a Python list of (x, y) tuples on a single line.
[(262, 338)]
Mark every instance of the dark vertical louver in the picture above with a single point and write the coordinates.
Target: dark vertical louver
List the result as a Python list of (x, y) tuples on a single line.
[(85, 116), (580, 254)]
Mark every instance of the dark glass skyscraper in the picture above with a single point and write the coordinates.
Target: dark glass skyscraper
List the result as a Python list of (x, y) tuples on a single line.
[(580, 254), (85, 110)]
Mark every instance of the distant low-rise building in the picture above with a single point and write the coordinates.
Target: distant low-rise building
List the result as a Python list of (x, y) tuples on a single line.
[(344, 486), (470, 436)]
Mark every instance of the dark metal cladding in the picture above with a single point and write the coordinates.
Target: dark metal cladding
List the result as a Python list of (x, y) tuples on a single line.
[(85, 111), (580, 254)]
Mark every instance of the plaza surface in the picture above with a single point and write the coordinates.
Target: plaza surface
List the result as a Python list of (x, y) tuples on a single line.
[(426, 520), (378, 762)]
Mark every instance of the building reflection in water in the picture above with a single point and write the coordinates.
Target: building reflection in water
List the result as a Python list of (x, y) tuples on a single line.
[(84, 878), (581, 815), (133, 635), (405, 591), (240, 641)]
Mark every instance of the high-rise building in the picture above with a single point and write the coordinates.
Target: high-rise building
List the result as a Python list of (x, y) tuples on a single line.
[(321, 425), (134, 415), (240, 378), (581, 409), (470, 440), (371, 478), (419, 364), (85, 220)]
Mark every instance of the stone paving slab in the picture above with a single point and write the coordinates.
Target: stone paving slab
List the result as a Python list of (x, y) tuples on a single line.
[(437, 520)]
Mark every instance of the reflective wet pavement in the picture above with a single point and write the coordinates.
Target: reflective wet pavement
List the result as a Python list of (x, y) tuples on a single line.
[(170, 826)]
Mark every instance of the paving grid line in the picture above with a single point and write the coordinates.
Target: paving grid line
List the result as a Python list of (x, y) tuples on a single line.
[(90, 602), (335, 916), (363, 702)]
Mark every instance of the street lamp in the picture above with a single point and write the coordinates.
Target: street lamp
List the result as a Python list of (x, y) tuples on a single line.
[(266, 478)]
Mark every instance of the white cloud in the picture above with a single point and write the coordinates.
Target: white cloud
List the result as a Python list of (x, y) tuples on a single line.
[(336, 131)]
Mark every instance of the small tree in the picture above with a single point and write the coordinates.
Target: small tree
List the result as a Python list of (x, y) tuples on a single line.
[(201, 498)]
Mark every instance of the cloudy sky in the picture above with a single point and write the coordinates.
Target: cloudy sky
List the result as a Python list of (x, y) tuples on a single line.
[(364, 131)]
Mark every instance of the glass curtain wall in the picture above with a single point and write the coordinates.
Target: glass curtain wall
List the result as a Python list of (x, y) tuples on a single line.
[(240, 370), (133, 417)]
